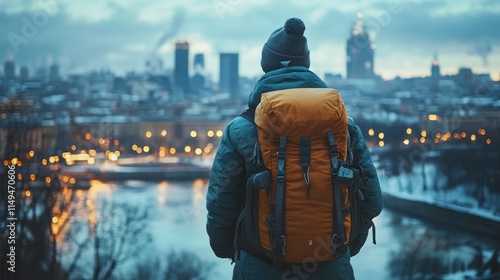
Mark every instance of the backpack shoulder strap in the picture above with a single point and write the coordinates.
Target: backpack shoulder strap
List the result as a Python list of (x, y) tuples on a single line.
[(249, 114)]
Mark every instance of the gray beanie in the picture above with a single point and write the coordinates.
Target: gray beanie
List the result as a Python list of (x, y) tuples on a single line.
[(286, 44)]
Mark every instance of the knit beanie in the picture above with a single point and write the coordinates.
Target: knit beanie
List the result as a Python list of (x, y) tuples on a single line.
[(286, 46)]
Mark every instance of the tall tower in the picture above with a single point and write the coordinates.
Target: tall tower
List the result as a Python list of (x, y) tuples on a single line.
[(24, 73), (435, 71), (229, 73), (359, 52), (181, 71), (54, 72)]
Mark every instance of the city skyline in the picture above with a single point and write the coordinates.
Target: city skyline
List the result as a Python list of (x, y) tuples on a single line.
[(122, 36)]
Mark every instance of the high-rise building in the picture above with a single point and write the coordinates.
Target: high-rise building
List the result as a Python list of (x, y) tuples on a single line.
[(229, 73), (199, 61), (198, 79), (9, 70), (24, 73), (181, 67), (54, 72), (360, 53), (435, 71)]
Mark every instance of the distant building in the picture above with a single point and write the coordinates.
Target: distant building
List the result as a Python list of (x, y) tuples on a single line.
[(229, 73), (199, 62), (54, 72), (198, 79), (181, 71), (465, 77), (359, 53), (435, 70), (9, 70), (24, 73)]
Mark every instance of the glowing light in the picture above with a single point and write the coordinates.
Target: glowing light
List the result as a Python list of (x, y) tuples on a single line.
[(134, 147), (463, 135), (65, 179), (408, 131), (381, 143), (72, 181), (381, 135), (423, 133), (20, 177), (149, 134), (32, 153), (187, 149), (433, 117), (55, 220), (5, 162), (112, 157), (92, 152), (422, 140), (52, 159), (371, 132), (438, 135), (161, 153), (163, 132), (406, 141), (32, 177), (193, 133), (488, 141), (139, 150), (373, 46), (436, 140), (87, 136), (219, 133), (27, 194), (14, 161), (198, 151), (473, 137), (146, 149), (481, 132), (206, 150), (116, 142), (48, 180), (73, 147), (359, 15), (19, 163), (91, 160), (210, 133), (172, 151)]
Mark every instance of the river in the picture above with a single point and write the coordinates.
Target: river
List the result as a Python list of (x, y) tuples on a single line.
[(177, 217)]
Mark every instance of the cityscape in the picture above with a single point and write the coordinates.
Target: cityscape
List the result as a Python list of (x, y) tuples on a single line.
[(72, 138)]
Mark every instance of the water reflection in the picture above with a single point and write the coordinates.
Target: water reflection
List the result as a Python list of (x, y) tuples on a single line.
[(407, 248)]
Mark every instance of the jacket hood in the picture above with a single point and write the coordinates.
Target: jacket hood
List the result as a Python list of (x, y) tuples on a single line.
[(284, 78)]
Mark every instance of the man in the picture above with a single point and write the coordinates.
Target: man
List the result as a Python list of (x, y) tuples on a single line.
[(285, 61)]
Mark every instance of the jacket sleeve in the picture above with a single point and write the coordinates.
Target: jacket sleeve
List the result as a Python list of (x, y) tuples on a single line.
[(225, 194), (372, 204)]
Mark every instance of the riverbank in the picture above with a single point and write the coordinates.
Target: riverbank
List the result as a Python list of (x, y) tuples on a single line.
[(456, 216)]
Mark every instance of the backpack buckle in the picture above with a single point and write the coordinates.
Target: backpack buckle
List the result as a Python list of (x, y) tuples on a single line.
[(336, 241)]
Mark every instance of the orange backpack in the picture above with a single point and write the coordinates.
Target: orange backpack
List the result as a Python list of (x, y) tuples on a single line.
[(303, 203)]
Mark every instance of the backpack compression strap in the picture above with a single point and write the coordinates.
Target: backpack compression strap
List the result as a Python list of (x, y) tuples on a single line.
[(338, 236), (279, 238)]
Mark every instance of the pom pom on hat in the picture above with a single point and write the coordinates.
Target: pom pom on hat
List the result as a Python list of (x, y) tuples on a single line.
[(286, 44)]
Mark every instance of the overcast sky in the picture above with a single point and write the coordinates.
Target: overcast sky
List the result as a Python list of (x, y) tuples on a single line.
[(83, 35)]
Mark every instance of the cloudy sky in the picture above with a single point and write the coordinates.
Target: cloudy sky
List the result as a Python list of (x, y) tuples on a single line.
[(83, 35)]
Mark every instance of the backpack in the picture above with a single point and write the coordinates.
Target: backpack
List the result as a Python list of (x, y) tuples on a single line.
[(302, 203)]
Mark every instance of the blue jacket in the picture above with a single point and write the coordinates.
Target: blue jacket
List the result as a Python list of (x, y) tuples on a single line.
[(234, 159)]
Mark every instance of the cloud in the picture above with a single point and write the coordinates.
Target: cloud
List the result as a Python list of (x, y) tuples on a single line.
[(86, 35)]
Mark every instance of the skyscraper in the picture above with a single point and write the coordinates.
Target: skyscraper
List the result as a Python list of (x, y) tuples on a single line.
[(229, 73), (9, 70), (199, 61), (54, 72), (198, 80), (435, 71), (24, 73), (181, 71), (359, 53)]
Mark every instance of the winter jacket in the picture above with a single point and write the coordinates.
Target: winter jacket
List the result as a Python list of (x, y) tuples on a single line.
[(234, 159)]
